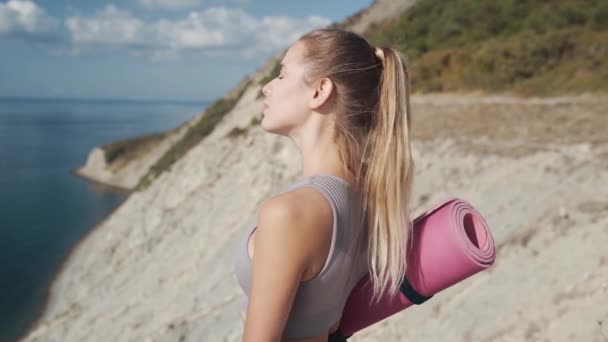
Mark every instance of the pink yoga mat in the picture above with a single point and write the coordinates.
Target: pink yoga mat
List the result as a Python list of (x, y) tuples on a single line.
[(451, 242)]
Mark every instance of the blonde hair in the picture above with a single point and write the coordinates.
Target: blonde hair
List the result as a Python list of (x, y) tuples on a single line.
[(373, 134)]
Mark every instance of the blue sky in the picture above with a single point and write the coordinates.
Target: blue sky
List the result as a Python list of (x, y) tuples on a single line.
[(148, 49)]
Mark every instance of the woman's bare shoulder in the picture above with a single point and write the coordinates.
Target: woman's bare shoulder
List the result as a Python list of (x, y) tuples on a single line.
[(304, 212), (305, 204)]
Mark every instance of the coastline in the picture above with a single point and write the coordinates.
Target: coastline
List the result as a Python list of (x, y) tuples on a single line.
[(47, 293), (97, 182)]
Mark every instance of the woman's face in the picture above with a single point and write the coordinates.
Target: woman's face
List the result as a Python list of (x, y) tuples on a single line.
[(286, 105)]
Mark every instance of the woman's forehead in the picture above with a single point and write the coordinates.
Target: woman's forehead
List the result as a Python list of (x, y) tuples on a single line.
[(293, 55)]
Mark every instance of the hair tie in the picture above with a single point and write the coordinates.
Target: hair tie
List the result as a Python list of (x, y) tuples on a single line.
[(379, 53)]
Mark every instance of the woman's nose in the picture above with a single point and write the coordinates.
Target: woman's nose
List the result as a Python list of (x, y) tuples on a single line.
[(265, 89)]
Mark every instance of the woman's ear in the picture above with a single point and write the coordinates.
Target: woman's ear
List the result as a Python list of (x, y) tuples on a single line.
[(321, 93)]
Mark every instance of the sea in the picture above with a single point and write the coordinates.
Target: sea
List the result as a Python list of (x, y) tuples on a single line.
[(44, 209)]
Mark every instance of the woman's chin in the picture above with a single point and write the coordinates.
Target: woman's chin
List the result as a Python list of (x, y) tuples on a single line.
[(270, 128), (265, 124)]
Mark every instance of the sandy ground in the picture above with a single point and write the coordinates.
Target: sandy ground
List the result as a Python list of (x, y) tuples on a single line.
[(161, 267)]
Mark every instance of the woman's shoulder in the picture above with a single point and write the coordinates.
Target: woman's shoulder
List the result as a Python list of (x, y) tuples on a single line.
[(306, 205), (302, 215)]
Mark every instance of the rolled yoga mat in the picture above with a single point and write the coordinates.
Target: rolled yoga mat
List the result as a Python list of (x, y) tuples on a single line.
[(451, 242)]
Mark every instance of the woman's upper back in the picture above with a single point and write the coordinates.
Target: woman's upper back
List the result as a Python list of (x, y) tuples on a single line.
[(319, 301)]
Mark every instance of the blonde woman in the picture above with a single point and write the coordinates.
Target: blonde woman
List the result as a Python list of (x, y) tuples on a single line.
[(345, 105)]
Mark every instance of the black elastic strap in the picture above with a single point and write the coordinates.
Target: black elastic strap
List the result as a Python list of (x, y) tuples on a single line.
[(337, 336), (410, 293)]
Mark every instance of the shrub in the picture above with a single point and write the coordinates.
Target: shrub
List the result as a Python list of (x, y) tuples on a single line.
[(129, 148), (236, 131), (197, 132), (500, 45)]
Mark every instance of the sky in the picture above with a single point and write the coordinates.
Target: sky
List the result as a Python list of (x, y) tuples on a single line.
[(193, 50)]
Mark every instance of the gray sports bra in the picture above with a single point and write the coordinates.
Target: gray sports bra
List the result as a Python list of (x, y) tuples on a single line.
[(319, 301)]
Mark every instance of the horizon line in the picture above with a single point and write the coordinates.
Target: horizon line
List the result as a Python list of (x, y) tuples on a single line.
[(98, 99)]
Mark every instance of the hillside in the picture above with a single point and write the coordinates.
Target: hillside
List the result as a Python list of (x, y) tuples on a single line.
[(524, 47)]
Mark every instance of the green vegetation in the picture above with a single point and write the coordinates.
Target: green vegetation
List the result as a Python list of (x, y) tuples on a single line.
[(237, 131), (129, 148), (197, 132), (526, 46), (255, 121)]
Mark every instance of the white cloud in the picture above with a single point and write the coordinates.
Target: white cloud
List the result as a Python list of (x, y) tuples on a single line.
[(24, 17), (173, 5), (216, 31), (109, 26), (177, 5)]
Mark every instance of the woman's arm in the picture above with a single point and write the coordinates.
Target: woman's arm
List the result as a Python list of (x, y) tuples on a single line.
[(281, 254)]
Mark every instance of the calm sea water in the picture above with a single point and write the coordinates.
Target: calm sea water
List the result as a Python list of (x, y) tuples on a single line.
[(44, 210)]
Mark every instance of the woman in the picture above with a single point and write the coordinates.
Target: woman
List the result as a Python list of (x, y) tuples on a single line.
[(345, 104)]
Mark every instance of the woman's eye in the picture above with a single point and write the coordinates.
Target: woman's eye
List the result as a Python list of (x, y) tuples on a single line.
[(281, 77)]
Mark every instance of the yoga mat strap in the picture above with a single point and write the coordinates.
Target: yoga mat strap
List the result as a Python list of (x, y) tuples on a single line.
[(410, 293), (338, 336)]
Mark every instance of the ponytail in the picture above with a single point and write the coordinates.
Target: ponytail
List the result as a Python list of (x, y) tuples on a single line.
[(388, 178)]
